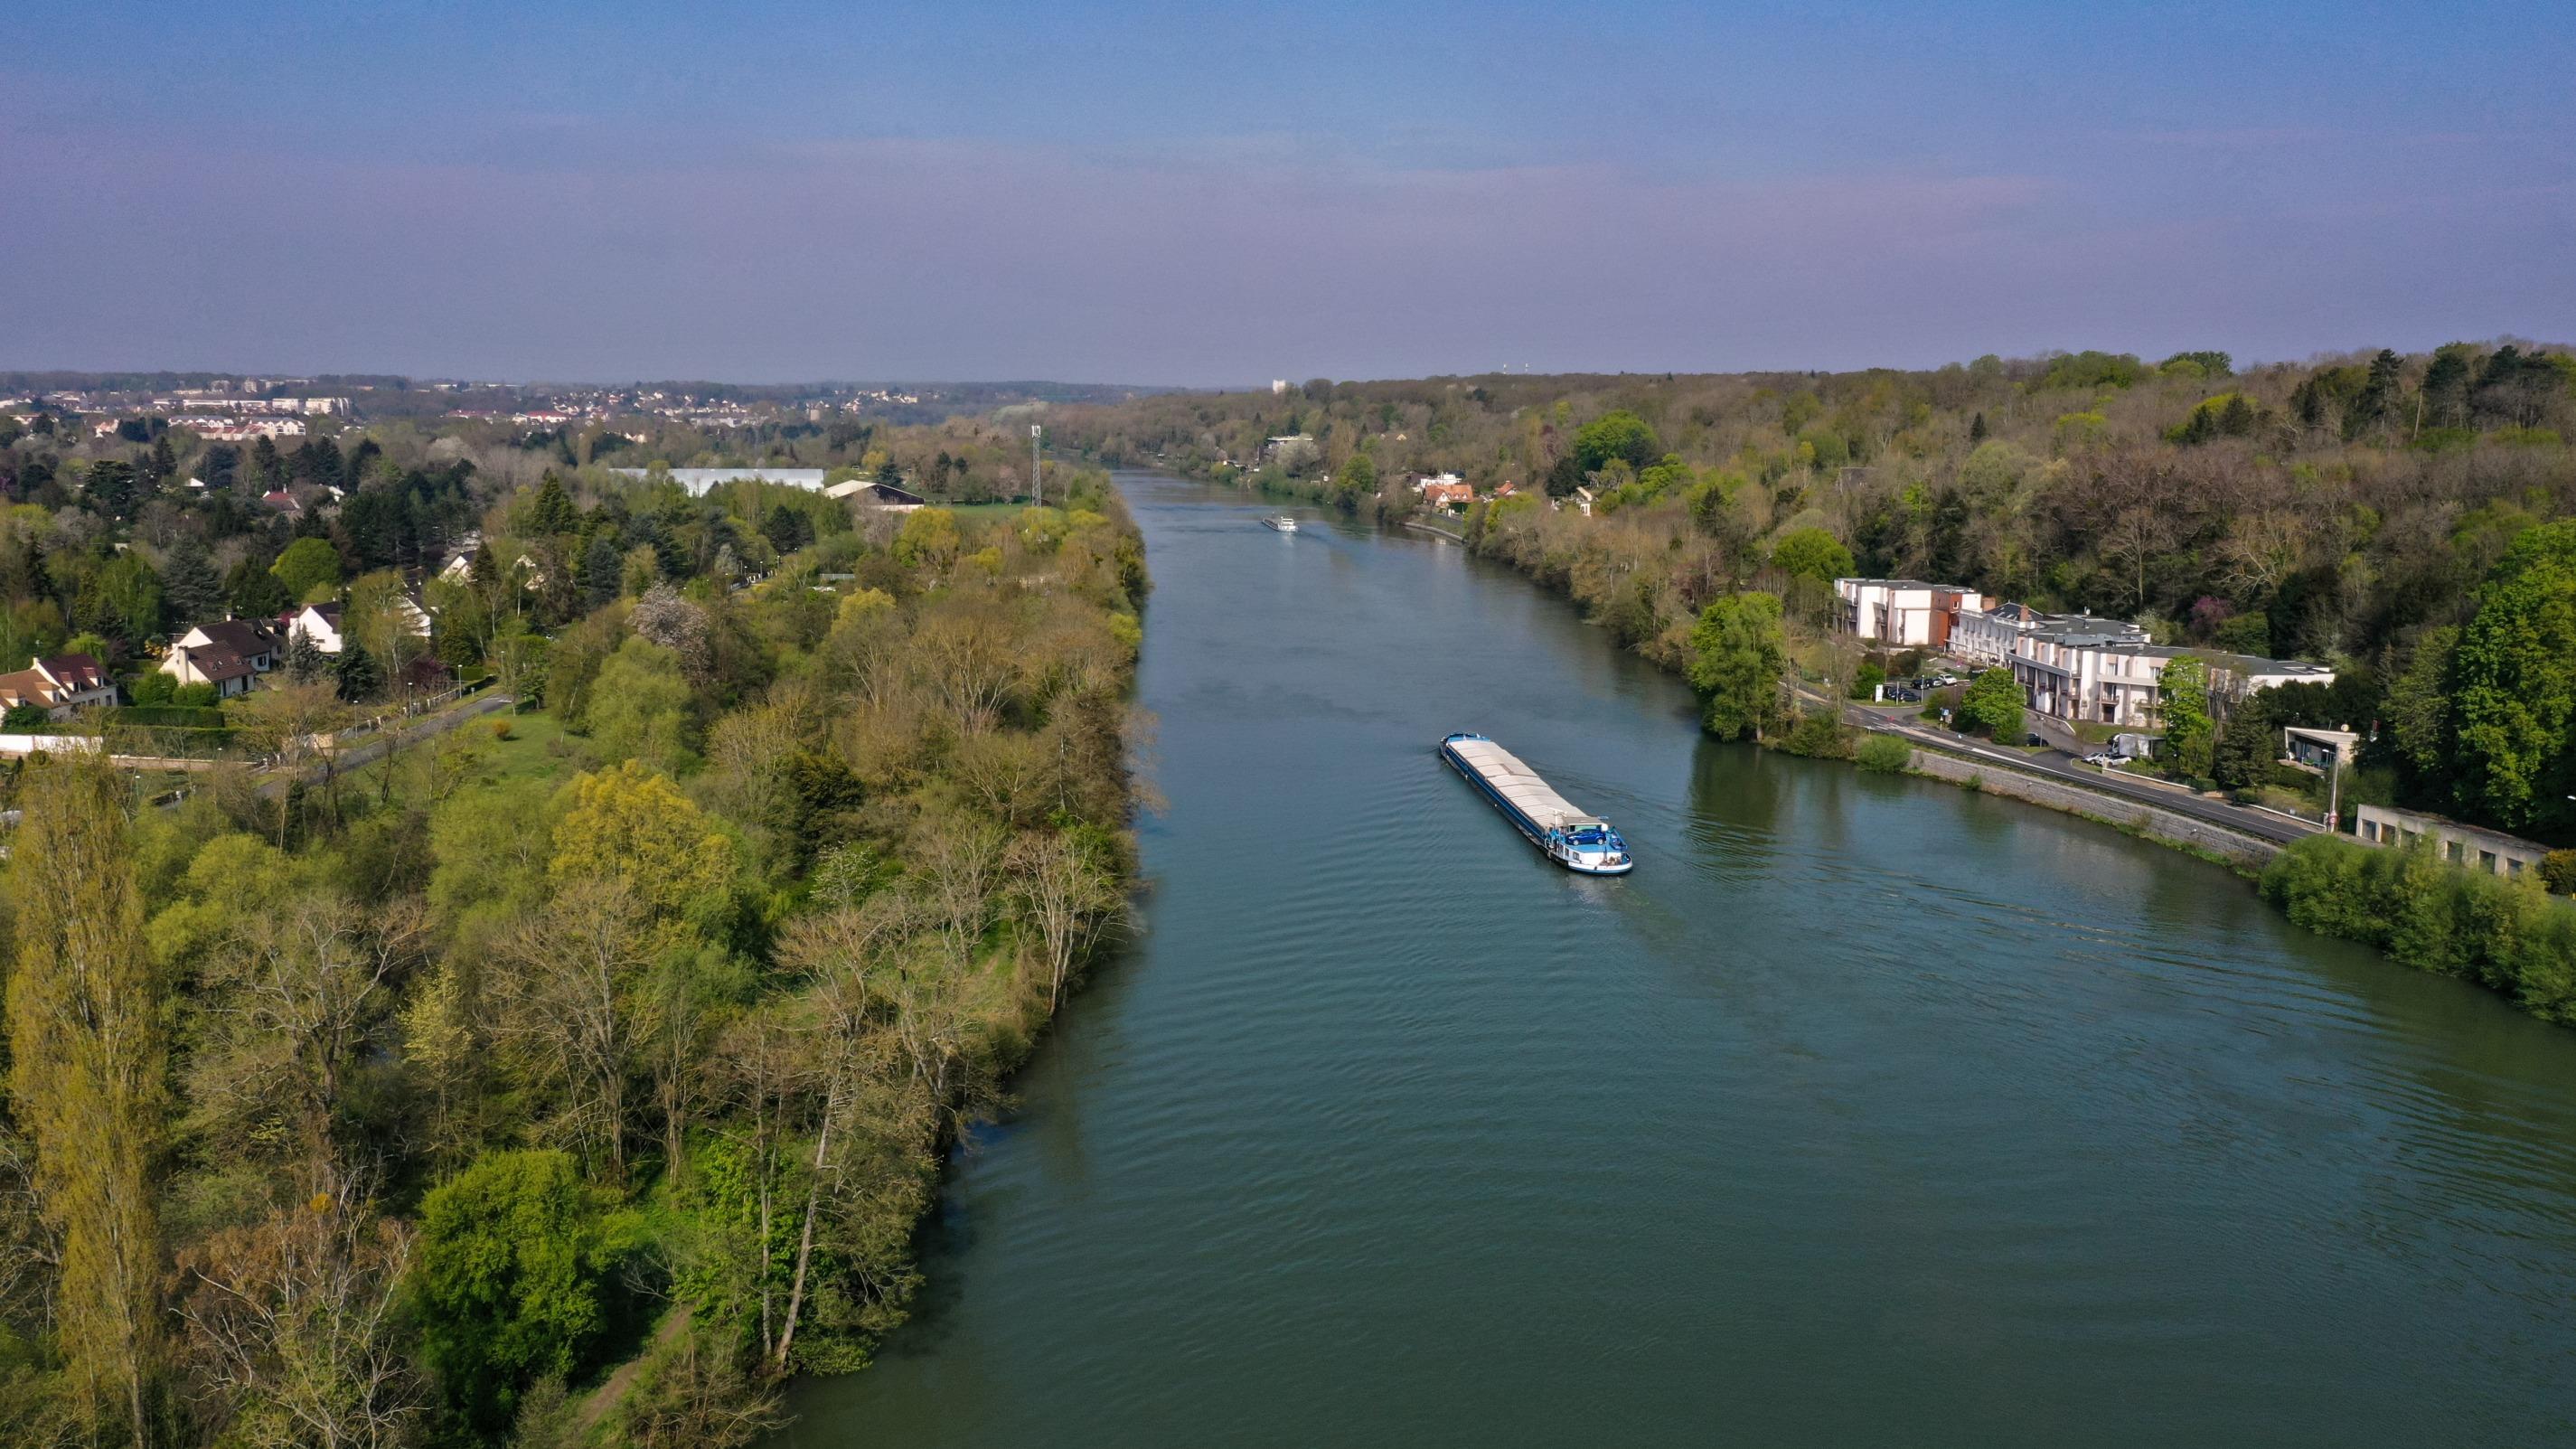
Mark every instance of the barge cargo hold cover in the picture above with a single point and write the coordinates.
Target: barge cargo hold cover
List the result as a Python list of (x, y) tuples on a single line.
[(1572, 838)]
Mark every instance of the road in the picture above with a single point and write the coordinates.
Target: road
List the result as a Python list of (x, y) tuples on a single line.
[(2064, 765), (374, 749)]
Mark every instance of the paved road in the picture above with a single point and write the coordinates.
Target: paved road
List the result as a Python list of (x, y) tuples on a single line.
[(2066, 766), (374, 749)]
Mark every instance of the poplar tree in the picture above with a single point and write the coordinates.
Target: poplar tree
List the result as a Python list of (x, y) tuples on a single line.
[(86, 1071)]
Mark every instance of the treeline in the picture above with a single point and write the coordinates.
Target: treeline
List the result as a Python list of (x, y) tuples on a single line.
[(396, 1106), (2365, 512)]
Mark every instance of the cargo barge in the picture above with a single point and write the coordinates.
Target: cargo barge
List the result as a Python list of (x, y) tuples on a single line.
[(1578, 841)]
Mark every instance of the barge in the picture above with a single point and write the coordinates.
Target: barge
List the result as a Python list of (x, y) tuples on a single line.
[(1580, 842)]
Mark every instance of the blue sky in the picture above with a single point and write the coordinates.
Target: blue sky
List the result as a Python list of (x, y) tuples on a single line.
[(1179, 194)]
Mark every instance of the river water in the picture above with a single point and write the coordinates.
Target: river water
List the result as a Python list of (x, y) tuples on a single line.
[(1866, 1110)]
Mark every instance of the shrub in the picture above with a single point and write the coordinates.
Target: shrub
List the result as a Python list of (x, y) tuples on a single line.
[(150, 688), (24, 717), (1885, 754), (1819, 735), (196, 696), (2503, 932), (500, 729), (2558, 871), (516, 1260), (1865, 683)]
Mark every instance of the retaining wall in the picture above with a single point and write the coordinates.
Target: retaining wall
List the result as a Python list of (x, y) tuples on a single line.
[(2247, 851)]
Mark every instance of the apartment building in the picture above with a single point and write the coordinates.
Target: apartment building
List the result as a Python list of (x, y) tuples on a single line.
[(1904, 613)]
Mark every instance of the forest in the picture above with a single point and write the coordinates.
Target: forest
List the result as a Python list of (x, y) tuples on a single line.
[(2408, 519), (577, 1071)]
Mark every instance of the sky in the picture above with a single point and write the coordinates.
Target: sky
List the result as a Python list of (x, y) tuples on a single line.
[(768, 191)]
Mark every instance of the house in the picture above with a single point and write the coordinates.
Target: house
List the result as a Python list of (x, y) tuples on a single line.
[(256, 641), (1440, 494), (283, 501), (220, 665), (1905, 613), (2318, 749), (2491, 851), (319, 623), (324, 625), (460, 565), (58, 685)]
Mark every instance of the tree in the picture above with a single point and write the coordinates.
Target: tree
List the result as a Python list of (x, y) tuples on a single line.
[(639, 707), (1358, 480), (602, 570), (1066, 894), (549, 510), (630, 823), (2515, 699), (1737, 652), (2241, 755), (111, 488), (190, 588), (1620, 434), (928, 540), (1993, 704), (357, 676), (1811, 553), (124, 599), (309, 570), (86, 1063), (511, 1279), (305, 661), (255, 592), (2186, 715)]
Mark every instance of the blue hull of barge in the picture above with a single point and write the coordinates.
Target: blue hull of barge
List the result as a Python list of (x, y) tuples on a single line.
[(1521, 822)]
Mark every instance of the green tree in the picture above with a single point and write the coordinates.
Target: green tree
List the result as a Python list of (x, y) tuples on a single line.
[(86, 1070), (512, 1279), (928, 539), (1737, 651), (640, 707), (1358, 480), (2186, 715), (2515, 698), (1993, 704), (256, 593), (1620, 434), (357, 675), (124, 599), (1811, 553), (190, 589), (309, 569), (549, 510)]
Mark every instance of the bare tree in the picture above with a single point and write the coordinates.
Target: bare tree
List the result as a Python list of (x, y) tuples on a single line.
[(567, 1022), (1066, 895), (291, 1330)]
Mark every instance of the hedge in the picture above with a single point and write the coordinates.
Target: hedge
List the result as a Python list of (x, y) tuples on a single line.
[(174, 716), (2504, 932)]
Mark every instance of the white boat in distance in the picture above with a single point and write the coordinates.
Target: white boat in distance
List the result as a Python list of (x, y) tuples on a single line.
[(1279, 521)]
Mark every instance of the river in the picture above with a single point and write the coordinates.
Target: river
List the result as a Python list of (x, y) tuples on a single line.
[(1866, 1110)]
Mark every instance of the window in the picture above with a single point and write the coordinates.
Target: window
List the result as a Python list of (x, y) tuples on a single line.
[(2486, 861)]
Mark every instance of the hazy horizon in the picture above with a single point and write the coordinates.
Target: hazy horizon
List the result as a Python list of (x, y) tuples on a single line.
[(1146, 196)]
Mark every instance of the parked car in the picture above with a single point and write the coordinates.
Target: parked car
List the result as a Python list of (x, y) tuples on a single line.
[(2035, 742), (2104, 758), (1899, 694)]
